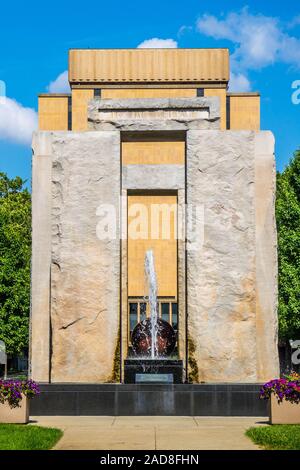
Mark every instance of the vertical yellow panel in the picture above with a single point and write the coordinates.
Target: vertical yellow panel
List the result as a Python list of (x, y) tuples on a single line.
[(117, 93), (245, 112), (53, 113), (80, 99), (143, 210), (221, 93)]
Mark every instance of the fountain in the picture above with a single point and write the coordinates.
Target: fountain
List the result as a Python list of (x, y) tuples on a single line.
[(152, 286), (153, 341), (153, 338)]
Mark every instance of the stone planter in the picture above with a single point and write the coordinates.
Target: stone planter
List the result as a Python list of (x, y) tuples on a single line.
[(284, 413), (19, 415)]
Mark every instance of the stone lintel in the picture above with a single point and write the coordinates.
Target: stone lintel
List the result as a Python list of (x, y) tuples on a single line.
[(154, 177), (173, 114)]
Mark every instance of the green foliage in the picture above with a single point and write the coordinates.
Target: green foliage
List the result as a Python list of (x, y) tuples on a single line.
[(288, 226), (15, 252), (116, 373), (21, 437), (193, 373), (278, 436)]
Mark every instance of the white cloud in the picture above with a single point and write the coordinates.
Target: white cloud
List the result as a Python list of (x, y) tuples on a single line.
[(218, 29), (60, 84), (259, 40), (239, 82), (157, 43), (295, 22), (184, 29), (16, 122)]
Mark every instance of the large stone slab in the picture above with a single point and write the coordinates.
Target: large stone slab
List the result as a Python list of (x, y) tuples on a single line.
[(266, 257), (222, 278), (85, 272), (85, 280), (41, 257)]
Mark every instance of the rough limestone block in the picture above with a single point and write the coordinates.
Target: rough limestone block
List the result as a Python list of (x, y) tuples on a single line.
[(154, 114), (85, 271), (266, 257), (222, 289), (41, 257)]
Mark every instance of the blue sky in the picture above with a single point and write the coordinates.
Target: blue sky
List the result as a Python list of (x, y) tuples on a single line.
[(263, 38)]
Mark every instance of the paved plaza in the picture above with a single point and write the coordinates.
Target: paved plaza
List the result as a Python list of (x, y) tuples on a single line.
[(152, 432)]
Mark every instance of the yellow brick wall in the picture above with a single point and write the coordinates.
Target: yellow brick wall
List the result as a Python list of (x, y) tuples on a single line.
[(245, 112), (148, 65), (80, 99), (151, 153), (112, 93), (53, 113), (165, 250), (221, 93)]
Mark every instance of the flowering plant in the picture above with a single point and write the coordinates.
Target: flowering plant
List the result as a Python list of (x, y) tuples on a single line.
[(12, 391), (284, 389), (293, 376)]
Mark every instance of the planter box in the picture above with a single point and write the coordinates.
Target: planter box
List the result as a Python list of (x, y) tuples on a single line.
[(19, 415), (284, 413)]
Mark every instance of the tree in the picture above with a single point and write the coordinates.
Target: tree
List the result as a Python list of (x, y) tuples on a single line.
[(288, 226), (15, 253)]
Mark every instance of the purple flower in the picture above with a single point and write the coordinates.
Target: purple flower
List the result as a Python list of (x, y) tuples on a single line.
[(282, 389), (12, 391)]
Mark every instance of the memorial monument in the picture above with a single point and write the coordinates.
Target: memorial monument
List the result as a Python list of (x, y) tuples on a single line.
[(151, 153)]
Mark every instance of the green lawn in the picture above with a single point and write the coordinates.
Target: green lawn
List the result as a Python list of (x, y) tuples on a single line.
[(27, 437), (277, 436)]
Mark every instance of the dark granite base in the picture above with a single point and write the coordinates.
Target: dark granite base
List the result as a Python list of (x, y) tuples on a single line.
[(153, 366), (149, 400)]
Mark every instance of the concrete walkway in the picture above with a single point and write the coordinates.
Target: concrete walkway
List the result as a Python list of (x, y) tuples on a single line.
[(151, 433)]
